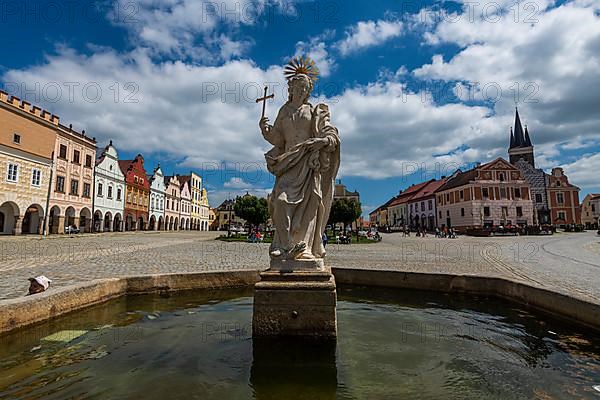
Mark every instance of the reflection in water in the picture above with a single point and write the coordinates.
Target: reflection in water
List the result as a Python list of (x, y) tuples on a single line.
[(293, 368), (392, 344)]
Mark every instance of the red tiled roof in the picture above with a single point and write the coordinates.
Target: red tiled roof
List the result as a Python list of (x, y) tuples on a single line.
[(428, 190), (124, 165), (408, 193)]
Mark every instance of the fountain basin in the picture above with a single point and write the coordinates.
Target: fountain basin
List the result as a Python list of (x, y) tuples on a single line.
[(391, 344)]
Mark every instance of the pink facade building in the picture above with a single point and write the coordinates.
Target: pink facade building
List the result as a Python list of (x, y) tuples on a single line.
[(72, 186)]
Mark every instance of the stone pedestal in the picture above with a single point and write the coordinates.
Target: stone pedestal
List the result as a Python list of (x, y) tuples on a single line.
[(295, 304)]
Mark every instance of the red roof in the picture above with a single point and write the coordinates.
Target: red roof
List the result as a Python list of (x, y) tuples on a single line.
[(409, 193), (124, 165), (428, 190)]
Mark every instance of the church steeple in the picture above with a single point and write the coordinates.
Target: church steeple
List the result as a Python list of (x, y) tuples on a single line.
[(519, 136), (527, 139), (520, 143), (512, 138)]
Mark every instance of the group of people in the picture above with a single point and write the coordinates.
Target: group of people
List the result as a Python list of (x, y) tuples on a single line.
[(445, 232), (255, 237), (339, 239)]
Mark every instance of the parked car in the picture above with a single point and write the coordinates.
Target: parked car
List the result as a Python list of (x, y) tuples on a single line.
[(71, 229)]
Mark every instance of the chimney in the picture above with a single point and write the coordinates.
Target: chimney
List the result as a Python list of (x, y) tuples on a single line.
[(25, 105), (3, 96), (37, 111)]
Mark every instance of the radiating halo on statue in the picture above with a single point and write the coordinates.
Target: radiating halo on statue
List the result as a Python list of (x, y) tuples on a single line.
[(301, 65)]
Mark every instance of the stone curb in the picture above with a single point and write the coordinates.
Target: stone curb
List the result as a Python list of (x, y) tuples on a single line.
[(566, 307), (25, 311)]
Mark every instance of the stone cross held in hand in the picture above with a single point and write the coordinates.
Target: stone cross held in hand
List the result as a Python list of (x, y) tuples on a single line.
[(264, 100)]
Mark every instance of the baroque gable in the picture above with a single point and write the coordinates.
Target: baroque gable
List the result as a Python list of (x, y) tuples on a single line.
[(499, 164)]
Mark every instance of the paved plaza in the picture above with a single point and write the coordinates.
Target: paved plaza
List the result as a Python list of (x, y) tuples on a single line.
[(568, 263)]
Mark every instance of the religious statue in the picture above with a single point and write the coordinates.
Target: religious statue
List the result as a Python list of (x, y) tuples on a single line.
[(305, 161)]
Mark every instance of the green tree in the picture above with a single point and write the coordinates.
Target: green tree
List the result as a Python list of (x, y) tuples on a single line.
[(344, 211), (253, 209)]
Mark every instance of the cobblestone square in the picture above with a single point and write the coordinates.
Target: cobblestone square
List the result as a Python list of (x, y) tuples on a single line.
[(568, 263)]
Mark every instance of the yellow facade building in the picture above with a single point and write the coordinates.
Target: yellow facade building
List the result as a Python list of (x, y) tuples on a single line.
[(27, 138)]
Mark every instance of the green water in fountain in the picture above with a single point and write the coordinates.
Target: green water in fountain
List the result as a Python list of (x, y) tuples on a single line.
[(391, 345)]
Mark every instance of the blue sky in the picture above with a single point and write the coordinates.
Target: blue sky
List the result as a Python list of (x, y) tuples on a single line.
[(416, 89)]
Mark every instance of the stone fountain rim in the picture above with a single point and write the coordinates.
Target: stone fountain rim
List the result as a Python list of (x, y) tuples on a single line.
[(30, 310)]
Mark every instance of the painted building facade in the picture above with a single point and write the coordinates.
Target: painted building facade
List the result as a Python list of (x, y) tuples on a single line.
[(195, 183), (489, 195), (186, 204), (422, 210), (205, 220), (109, 196), (137, 195), (590, 210), (227, 217), (27, 138), (156, 209), (213, 219), (563, 198), (341, 192), (72, 191), (172, 199)]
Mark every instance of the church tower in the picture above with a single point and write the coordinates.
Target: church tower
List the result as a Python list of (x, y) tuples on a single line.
[(520, 144)]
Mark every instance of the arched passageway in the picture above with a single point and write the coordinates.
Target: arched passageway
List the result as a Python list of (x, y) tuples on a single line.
[(33, 221)]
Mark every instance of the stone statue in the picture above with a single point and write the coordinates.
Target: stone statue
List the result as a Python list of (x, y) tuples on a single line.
[(305, 161)]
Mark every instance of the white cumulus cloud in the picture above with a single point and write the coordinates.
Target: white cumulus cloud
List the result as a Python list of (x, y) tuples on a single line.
[(368, 34)]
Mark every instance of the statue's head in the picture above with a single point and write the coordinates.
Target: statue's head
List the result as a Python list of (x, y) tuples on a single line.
[(299, 87)]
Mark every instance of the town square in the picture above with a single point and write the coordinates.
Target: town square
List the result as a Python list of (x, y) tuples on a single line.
[(281, 199)]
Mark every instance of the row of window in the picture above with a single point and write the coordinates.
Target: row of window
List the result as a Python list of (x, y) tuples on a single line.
[(60, 187), (13, 172), (155, 204), (560, 198), (62, 153), (487, 212), (109, 194), (485, 192), (416, 206), (172, 205), (197, 183), (133, 198)]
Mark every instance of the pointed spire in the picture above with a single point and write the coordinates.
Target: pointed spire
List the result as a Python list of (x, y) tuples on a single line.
[(512, 139), (527, 138), (519, 136)]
